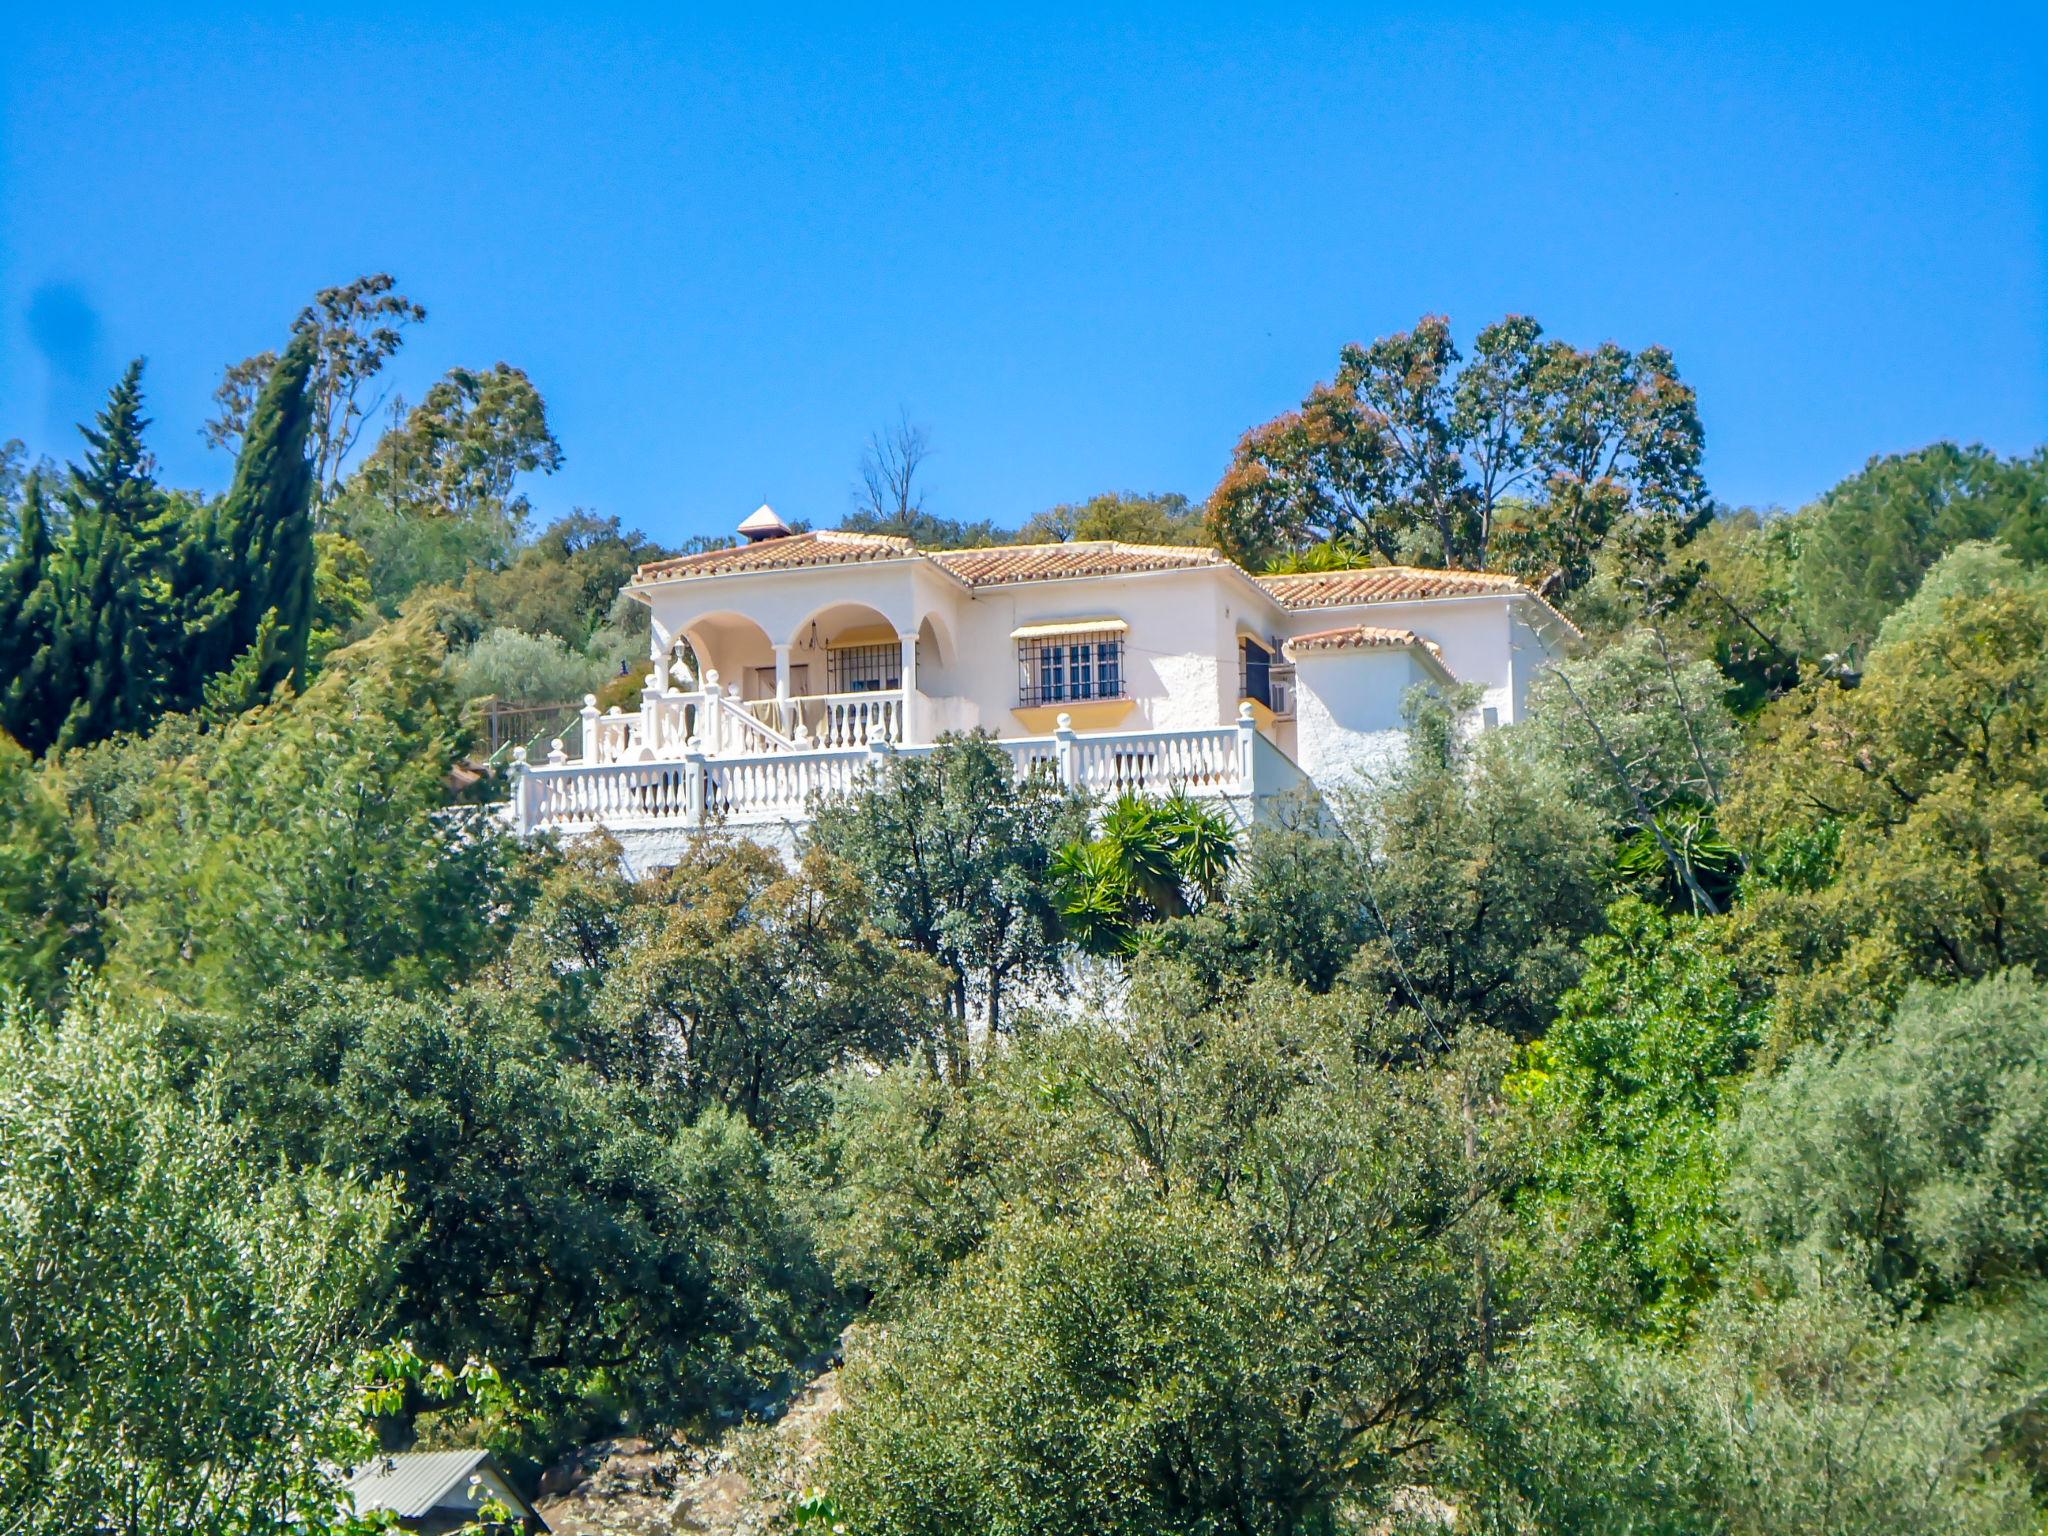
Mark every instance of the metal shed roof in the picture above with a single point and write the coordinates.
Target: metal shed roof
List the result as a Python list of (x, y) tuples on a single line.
[(410, 1483)]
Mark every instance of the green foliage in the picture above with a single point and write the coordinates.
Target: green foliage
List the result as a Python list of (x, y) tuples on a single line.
[(176, 1311), (927, 530), (1658, 735), (1220, 1270), (460, 451), (566, 581), (312, 838), (611, 1255), (1534, 453), (1810, 1414), (31, 606), (48, 920), (1633, 1081), (103, 666), (1149, 861), (1974, 568), (1740, 606), (355, 331), (1931, 781), (729, 980), (262, 537), (1125, 516), (1864, 546), (1482, 873), (341, 594), (526, 669), (1648, 740), (955, 854), (410, 549), (1920, 1155), (1131, 1370), (1300, 900)]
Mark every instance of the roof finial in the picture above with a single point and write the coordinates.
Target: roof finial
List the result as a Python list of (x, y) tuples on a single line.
[(762, 523)]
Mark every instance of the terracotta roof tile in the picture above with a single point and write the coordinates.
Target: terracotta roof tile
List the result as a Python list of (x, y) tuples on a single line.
[(1364, 637), (828, 547), (1381, 584), (1006, 563)]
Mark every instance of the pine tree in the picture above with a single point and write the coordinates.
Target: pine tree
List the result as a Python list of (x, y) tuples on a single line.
[(262, 536), (28, 624), (104, 666)]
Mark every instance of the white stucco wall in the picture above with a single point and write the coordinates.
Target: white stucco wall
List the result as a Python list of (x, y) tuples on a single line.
[(1174, 654), (1472, 633), (1180, 647), (1347, 708)]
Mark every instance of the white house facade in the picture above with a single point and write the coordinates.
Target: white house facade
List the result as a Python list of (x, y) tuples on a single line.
[(783, 667)]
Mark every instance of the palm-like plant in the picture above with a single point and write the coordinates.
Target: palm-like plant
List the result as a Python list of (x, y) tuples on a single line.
[(1151, 860)]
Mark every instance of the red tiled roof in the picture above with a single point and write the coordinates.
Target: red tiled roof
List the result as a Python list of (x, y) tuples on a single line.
[(828, 547), (1005, 563), (1363, 637), (1382, 584)]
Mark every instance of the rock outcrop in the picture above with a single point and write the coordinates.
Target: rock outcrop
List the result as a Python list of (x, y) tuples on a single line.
[(739, 1485)]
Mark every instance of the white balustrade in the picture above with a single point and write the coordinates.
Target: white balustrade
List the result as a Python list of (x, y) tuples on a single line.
[(695, 786), (1157, 762), (852, 719)]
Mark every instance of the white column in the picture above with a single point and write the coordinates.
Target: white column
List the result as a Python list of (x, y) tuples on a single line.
[(1247, 730), (1065, 750), (590, 728), (782, 710), (913, 723)]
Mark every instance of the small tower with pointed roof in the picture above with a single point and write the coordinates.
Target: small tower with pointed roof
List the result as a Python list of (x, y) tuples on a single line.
[(763, 524)]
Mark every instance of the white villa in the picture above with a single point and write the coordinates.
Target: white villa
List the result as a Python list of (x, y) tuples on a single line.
[(784, 666)]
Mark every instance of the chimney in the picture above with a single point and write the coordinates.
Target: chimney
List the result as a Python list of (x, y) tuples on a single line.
[(762, 524)]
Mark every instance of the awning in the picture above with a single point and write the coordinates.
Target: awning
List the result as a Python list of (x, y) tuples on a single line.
[(1070, 627)]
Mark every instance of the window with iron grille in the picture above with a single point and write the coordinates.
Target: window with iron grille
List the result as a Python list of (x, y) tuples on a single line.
[(1254, 672), (1068, 669), (864, 668)]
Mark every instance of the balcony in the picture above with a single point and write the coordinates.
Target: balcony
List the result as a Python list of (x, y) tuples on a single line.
[(703, 759)]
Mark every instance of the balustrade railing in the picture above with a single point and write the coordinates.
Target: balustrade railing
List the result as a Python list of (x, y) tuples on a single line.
[(780, 786), (835, 719)]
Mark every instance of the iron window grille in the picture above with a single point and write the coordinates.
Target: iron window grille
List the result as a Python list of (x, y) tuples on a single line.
[(864, 668), (1254, 672), (1069, 669)]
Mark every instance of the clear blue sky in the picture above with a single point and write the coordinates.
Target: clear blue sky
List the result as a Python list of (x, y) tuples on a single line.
[(1085, 254)]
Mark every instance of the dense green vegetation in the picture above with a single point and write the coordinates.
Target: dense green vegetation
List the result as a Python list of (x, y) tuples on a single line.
[(1632, 1120)]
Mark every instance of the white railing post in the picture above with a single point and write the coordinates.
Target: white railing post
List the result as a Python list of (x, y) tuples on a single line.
[(880, 750), (1065, 752), (693, 782), (1247, 732), (711, 722), (556, 756), (522, 793), (590, 727)]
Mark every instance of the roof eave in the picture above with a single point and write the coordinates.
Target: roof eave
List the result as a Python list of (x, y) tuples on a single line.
[(638, 585)]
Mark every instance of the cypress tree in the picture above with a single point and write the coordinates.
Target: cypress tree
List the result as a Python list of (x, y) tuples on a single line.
[(28, 625), (103, 669), (263, 539)]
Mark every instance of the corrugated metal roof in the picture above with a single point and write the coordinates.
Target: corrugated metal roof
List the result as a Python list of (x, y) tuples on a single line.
[(409, 1483)]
